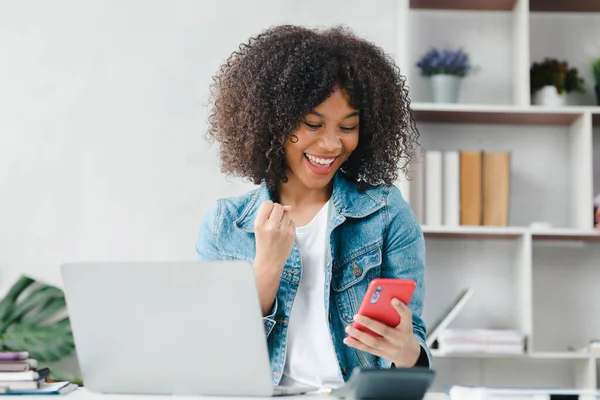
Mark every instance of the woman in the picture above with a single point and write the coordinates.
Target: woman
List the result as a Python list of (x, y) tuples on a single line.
[(320, 120)]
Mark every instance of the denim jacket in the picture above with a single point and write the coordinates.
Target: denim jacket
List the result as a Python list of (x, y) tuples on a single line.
[(372, 234)]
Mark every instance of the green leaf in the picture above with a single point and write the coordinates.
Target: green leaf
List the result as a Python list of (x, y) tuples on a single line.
[(14, 292), (596, 70), (29, 321), (44, 343), (38, 296), (49, 310)]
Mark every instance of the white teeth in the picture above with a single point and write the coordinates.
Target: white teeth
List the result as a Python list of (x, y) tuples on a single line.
[(321, 161)]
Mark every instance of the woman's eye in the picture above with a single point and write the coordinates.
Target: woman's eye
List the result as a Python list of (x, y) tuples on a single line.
[(312, 126), (347, 129)]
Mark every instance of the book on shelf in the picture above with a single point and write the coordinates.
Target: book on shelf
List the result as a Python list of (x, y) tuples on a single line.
[(451, 188), (412, 186), (496, 188), (471, 190), (489, 341), (433, 188)]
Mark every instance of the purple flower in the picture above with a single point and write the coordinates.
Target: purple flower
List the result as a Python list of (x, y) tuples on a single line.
[(445, 62)]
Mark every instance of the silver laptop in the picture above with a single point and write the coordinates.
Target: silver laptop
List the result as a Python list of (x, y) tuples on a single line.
[(169, 328)]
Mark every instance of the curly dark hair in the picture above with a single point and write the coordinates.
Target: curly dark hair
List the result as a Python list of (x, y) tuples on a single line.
[(265, 88)]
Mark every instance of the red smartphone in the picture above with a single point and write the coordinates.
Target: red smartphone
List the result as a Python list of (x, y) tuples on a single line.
[(377, 303)]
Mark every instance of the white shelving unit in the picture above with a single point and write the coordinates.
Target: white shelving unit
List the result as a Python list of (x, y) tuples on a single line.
[(541, 282)]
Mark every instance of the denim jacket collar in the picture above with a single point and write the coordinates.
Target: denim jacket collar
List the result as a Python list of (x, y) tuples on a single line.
[(347, 201)]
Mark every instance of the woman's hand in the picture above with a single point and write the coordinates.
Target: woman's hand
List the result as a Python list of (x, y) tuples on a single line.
[(275, 233), (396, 344)]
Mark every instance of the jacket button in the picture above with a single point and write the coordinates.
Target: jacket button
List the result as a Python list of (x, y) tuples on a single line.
[(344, 371), (330, 317), (356, 270)]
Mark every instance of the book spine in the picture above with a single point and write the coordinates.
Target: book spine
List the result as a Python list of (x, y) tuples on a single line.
[(18, 376), (451, 188), (416, 176), (13, 355), (471, 187), (433, 188), (496, 188)]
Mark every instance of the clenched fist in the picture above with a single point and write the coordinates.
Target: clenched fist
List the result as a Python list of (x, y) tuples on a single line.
[(275, 234)]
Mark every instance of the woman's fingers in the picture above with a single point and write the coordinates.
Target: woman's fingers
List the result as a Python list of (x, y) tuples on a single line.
[(263, 212), (276, 213), (285, 220)]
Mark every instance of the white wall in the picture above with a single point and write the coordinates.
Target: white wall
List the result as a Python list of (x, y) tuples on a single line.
[(103, 116)]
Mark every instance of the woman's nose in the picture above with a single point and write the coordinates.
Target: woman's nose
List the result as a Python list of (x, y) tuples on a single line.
[(331, 140)]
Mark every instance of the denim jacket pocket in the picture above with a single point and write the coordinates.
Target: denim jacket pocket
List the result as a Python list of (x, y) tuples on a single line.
[(351, 280)]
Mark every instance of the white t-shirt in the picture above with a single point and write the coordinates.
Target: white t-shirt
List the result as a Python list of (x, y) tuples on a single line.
[(311, 358)]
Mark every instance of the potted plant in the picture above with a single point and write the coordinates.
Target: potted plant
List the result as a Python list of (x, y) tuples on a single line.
[(596, 72), (33, 318), (551, 80), (445, 70)]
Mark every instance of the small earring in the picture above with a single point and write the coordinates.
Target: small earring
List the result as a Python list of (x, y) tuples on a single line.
[(292, 138)]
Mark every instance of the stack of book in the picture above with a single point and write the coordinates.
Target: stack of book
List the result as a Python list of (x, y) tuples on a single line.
[(453, 188), (470, 341), (488, 341), (19, 374)]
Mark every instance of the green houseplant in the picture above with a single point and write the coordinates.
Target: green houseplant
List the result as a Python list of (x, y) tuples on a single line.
[(33, 318), (596, 72), (550, 81)]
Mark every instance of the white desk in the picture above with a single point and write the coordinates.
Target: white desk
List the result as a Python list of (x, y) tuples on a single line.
[(83, 394)]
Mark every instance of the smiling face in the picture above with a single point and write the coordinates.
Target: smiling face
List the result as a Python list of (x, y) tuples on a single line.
[(326, 138)]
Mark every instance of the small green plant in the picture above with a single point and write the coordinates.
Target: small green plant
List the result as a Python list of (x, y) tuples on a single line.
[(596, 70), (555, 73), (33, 318)]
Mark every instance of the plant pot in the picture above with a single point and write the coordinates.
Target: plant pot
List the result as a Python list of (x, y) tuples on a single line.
[(597, 87), (549, 96), (445, 88)]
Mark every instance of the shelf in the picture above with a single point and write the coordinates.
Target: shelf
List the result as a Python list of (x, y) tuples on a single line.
[(500, 114), (562, 355), (535, 355), (508, 5), (509, 232), (592, 235), (473, 232), (554, 156), (477, 5), (439, 354), (564, 6)]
